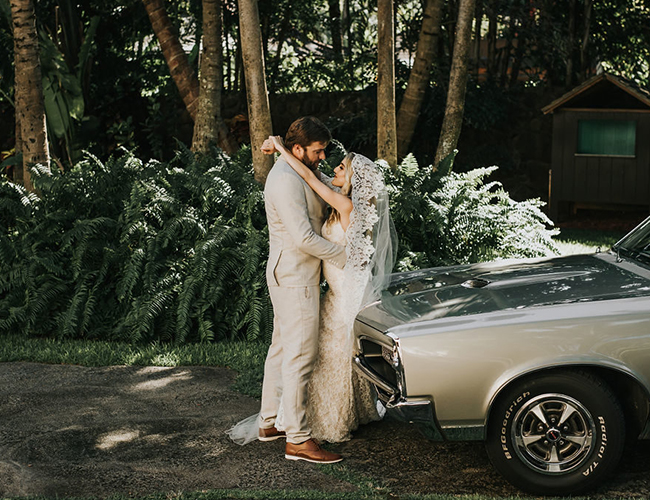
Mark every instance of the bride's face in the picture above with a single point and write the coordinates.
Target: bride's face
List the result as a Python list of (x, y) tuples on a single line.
[(339, 176)]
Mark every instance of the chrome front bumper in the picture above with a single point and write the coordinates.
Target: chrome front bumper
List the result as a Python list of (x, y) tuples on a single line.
[(414, 410)]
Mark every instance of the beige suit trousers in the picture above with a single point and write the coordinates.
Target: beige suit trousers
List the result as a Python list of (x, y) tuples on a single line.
[(295, 215), (290, 360)]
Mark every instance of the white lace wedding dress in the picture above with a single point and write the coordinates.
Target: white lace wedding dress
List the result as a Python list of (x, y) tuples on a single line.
[(339, 400)]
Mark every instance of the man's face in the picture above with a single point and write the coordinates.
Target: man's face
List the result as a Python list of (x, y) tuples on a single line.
[(312, 154)]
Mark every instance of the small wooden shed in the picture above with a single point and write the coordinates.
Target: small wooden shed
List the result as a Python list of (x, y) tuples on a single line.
[(601, 146)]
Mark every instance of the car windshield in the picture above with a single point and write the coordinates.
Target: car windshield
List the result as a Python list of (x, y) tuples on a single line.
[(636, 245)]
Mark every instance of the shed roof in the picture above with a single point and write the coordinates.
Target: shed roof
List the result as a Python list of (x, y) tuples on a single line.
[(640, 96)]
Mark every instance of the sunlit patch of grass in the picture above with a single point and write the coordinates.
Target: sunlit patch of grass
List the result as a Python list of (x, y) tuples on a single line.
[(247, 358), (576, 241)]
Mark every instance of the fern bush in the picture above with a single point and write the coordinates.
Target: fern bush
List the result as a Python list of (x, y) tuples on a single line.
[(445, 218), (136, 251), (176, 252)]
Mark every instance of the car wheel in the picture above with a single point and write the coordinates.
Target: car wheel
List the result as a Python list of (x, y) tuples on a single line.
[(556, 434)]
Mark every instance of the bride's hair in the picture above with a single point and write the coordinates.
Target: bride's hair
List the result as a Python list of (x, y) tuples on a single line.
[(346, 189)]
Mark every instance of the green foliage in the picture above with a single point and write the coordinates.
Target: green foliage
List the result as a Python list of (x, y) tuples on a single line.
[(444, 218), (137, 251), (176, 252)]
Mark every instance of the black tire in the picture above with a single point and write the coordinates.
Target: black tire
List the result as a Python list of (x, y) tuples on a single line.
[(558, 433)]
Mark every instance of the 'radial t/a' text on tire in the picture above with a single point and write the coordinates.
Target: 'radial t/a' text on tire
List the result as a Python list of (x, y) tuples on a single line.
[(556, 434)]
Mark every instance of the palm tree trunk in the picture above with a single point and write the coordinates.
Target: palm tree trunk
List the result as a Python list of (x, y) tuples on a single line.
[(386, 121), (208, 126), (453, 120), (409, 110), (30, 108), (181, 71), (179, 65), (335, 28), (584, 65), (259, 114)]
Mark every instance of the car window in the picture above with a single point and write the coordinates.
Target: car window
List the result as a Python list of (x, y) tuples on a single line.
[(636, 245)]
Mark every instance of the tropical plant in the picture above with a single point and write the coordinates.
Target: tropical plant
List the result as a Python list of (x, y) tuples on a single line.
[(446, 218), (136, 251), (150, 251)]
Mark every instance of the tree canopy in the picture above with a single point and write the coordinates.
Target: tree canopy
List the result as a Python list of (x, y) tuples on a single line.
[(113, 86)]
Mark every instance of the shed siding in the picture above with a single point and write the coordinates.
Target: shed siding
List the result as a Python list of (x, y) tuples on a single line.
[(642, 194), (598, 179)]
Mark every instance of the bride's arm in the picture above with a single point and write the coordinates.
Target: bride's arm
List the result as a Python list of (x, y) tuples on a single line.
[(341, 203)]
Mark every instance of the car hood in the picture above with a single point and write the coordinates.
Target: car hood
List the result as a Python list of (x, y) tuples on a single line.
[(445, 292)]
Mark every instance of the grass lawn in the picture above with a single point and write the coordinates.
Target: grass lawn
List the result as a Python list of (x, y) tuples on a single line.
[(574, 241)]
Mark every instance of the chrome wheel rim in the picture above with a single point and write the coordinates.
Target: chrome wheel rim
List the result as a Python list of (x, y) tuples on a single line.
[(553, 433)]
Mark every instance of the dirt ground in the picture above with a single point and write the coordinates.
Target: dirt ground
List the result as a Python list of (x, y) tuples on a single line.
[(75, 431)]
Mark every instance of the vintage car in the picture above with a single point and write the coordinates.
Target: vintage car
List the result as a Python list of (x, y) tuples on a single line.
[(546, 360)]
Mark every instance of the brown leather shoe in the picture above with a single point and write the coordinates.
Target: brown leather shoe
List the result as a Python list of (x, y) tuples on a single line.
[(310, 451), (271, 434)]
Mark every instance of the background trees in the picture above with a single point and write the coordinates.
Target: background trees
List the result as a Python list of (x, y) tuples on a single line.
[(173, 247), (108, 83), (31, 133)]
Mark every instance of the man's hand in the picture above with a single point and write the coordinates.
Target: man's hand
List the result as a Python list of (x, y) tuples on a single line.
[(268, 147)]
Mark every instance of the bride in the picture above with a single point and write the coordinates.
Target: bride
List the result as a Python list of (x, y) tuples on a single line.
[(338, 399)]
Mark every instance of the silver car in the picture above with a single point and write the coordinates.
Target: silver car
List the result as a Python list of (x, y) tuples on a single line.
[(546, 360)]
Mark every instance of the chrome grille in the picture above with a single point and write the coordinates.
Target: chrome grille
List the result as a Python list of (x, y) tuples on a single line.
[(375, 356)]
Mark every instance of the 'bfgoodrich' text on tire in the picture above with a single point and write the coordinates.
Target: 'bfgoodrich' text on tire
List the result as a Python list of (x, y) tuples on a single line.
[(557, 433)]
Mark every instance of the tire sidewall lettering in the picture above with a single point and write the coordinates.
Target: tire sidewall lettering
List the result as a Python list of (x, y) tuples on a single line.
[(601, 445), (515, 403)]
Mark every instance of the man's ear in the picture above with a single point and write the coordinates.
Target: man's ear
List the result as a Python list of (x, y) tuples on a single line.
[(298, 151)]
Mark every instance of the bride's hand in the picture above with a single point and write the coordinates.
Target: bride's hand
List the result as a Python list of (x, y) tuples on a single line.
[(268, 148), (278, 143)]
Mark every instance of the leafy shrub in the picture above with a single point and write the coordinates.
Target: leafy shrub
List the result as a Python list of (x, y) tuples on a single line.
[(175, 252), (137, 251), (446, 218)]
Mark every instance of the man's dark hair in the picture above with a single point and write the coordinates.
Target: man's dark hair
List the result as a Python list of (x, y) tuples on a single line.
[(306, 130)]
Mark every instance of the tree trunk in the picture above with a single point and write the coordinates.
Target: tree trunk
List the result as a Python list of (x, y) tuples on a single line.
[(282, 36), (386, 121), (347, 22), (259, 114), (335, 28), (504, 56), (570, 43), (453, 120), (427, 48), (208, 126), (491, 65), (180, 69), (477, 37), (179, 65), (30, 108), (520, 38), (584, 64)]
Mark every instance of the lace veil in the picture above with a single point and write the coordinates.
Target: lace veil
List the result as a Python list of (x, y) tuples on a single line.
[(371, 238)]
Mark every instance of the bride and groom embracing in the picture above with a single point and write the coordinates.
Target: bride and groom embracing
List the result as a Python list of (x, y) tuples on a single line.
[(310, 392)]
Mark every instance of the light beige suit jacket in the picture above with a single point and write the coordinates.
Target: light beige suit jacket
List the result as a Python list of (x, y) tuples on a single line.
[(295, 216)]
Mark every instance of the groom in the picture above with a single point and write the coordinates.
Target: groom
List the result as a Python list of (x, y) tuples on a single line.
[(295, 215)]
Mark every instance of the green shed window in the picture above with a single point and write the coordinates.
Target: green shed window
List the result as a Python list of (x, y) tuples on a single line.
[(607, 137)]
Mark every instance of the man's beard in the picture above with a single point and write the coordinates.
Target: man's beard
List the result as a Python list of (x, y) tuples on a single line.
[(309, 164)]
